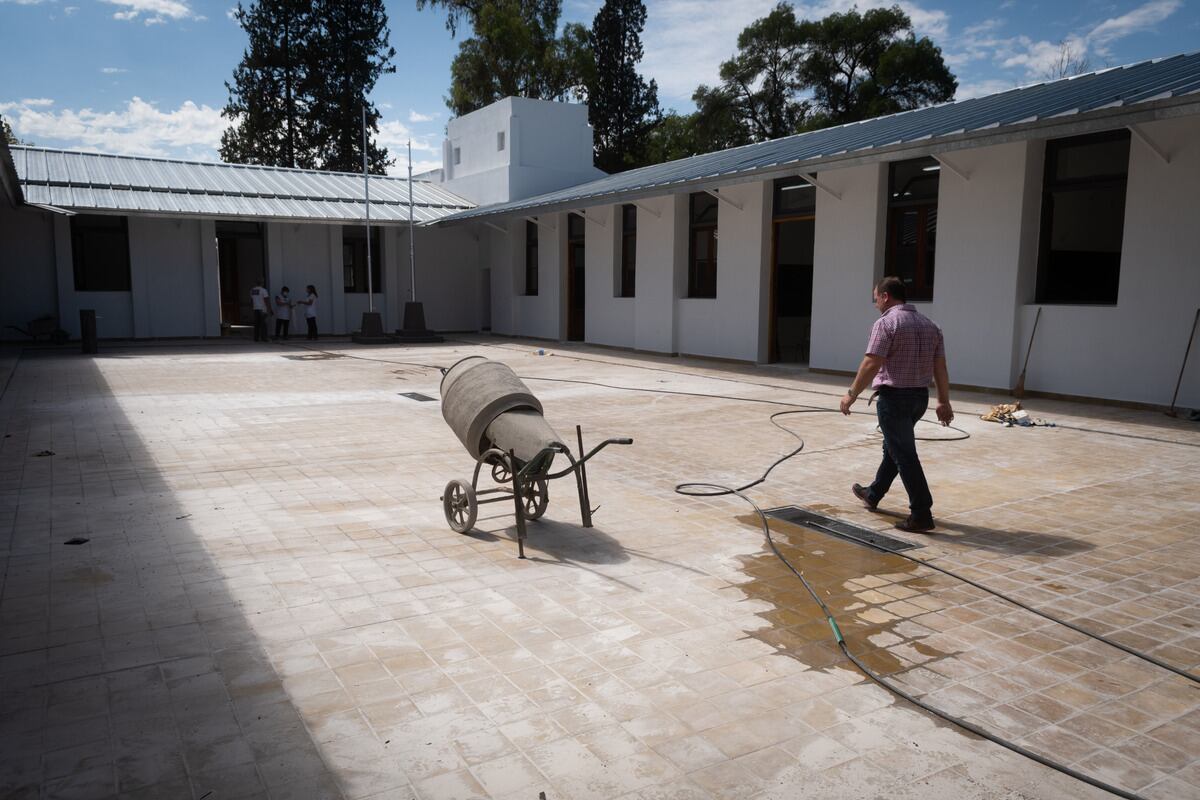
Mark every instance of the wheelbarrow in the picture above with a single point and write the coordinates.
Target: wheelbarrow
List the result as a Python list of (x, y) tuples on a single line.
[(500, 423)]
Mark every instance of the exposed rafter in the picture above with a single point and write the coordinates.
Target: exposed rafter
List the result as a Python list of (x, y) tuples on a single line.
[(813, 180), (1146, 140), (717, 194), (962, 173)]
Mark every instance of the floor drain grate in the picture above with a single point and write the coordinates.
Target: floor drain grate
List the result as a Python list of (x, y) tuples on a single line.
[(422, 398), (842, 530)]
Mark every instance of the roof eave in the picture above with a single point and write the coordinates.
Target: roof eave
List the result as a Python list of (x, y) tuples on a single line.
[(1052, 127)]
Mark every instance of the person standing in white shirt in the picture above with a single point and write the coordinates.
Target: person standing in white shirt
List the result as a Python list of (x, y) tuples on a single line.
[(260, 301), (283, 314), (310, 312)]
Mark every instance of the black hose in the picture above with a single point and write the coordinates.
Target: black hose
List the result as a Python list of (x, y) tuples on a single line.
[(690, 489)]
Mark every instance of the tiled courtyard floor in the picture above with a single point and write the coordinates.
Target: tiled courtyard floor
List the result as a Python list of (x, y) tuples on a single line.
[(270, 603)]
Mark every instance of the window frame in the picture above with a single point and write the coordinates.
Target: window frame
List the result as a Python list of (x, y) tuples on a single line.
[(531, 258), (702, 279), (1044, 293), (628, 250), (356, 239), (925, 260), (83, 228)]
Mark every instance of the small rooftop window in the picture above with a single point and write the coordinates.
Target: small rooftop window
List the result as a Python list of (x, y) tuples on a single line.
[(458, 155), (499, 140)]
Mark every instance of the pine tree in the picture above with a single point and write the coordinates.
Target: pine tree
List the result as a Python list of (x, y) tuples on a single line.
[(351, 52), (298, 93), (622, 107), (268, 99)]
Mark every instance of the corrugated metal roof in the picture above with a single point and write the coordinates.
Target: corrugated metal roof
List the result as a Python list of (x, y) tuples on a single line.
[(102, 182), (1125, 86)]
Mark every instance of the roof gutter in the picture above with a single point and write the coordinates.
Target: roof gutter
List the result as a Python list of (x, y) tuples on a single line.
[(1049, 128)]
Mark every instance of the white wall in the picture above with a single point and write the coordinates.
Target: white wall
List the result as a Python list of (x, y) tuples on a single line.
[(847, 257), (978, 252), (166, 277), (448, 276), (727, 326), (659, 278), (609, 319), (547, 146), (300, 254), (1133, 351), (27, 270)]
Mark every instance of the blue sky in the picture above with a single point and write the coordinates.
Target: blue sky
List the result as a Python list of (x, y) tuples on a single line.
[(148, 76)]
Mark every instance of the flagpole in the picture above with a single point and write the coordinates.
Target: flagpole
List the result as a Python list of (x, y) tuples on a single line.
[(367, 198), (412, 257)]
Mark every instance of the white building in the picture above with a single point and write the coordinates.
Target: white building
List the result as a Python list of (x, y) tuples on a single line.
[(1078, 197)]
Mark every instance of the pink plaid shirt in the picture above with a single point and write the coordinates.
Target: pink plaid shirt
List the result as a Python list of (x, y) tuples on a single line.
[(909, 342)]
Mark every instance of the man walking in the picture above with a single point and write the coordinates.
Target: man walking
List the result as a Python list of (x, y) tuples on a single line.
[(904, 353), (260, 301)]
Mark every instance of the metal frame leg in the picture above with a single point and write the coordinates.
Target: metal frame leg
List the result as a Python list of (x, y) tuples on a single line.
[(518, 500), (585, 503)]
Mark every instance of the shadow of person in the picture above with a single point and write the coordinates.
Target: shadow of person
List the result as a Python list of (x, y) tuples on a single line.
[(999, 540)]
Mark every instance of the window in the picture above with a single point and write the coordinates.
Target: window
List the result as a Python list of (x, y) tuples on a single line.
[(628, 249), (100, 252), (458, 155), (354, 260), (531, 259), (1083, 219), (912, 225), (500, 140), (702, 245), (795, 197)]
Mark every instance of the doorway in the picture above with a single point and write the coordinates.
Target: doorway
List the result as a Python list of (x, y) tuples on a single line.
[(575, 278), (241, 262), (793, 231)]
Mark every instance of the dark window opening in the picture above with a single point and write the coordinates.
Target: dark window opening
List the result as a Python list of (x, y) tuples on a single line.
[(531, 258), (628, 249), (702, 245), (795, 197), (354, 260), (100, 253), (912, 224), (1083, 219)]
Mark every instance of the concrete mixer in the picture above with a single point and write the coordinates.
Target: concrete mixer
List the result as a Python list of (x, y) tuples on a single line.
[(500, 423)]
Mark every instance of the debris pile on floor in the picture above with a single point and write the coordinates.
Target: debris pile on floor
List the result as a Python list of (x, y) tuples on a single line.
[(1009, 414)]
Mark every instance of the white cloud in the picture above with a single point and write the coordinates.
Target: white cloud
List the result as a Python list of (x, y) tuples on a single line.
[(24, 2), (416, 116), (686, 40), (1140, 19), (1036, 58), (139, 128), (70, 10), (427, 149), (156, 12), (37, 102), (969, 89), (113, 70)]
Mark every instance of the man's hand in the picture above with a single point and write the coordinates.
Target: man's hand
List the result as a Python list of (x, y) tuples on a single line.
[(847, 401), (945, 413)]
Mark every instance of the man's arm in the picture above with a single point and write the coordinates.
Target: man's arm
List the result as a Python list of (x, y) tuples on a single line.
[(941, 379), (866, 373)]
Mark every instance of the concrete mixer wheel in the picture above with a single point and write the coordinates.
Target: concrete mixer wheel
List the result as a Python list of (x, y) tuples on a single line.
[(501, 472), (459, 505), (536, 498)]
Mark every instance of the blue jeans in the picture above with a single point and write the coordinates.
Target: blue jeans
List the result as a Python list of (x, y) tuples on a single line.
[(899, 410)]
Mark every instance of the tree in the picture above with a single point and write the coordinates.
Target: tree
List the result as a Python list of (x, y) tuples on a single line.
[(514, 52), (6, 133), (622, 107), (352, 51), (269, 98), (860, 66), (762, 81), (1070, 61), (298, 92)]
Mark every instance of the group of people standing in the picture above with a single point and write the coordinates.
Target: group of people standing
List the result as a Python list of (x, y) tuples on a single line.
[(281, 308)]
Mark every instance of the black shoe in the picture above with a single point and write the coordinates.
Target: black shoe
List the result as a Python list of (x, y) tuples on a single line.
[(912, 525), (862, 493)]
